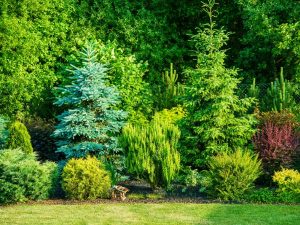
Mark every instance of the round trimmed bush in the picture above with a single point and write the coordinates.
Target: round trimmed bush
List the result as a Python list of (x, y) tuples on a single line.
[(232, 174), (23, 178), (85, 179), (288, 180)]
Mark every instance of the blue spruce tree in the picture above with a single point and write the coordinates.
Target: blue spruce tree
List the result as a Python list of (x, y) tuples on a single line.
[(90, 124)]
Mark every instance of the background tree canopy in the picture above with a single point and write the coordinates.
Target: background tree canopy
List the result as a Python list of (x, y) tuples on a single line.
[(39, 39)]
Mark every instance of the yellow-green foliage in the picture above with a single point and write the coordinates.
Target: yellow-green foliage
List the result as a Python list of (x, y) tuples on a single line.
[(85, 179), (288, 180), (233, 173), (151, 151), (19, 137), (170, 115)]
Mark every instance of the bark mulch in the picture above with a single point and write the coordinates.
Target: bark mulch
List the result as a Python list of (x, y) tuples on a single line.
[(140, 192)]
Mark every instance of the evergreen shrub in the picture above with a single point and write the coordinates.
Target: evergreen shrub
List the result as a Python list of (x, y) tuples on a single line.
[(23, 178), (151, 150), (19, 137), (288, 180), (85, 179), (232, 174)]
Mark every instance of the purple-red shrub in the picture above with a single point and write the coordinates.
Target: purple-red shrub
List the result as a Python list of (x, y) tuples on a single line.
[(276, 140)]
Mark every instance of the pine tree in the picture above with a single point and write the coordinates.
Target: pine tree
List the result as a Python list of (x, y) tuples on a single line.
[(90, 124), (279, 95), (217, 119)]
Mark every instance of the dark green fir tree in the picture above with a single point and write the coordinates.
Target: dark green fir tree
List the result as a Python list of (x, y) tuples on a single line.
[(91, 122), (217, 119)]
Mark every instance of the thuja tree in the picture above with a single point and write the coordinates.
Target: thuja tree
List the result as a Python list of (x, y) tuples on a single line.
[(151, 151), (19, 137), (91, 122), (217, 119)]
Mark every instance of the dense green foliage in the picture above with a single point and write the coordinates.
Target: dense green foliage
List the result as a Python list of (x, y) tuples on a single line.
[(267, 195), (23, 178), (152, 66), (91, 123), (85, 179), (32, 33), (39, 39), (126, 73), (217, 119), (3, 131), (269, 39), (232, 174), (151, 151), (19, 137), (279, 95), (170, 90)]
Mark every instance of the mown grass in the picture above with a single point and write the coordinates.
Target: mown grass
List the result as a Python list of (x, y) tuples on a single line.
[(138, 213)]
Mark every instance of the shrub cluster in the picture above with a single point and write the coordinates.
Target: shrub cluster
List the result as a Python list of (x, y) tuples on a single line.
[(23, 178)]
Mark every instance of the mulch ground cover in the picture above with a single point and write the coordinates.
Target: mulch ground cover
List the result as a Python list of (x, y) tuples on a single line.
[(142, 190)]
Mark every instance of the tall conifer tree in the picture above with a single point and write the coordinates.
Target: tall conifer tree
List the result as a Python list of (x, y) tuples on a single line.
[(217, 119), (90, 124)]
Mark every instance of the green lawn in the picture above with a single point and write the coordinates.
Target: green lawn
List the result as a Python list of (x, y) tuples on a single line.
[(164, 213)]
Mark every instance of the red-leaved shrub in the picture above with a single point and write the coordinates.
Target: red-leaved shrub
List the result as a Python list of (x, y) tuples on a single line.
[(276, 142)]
